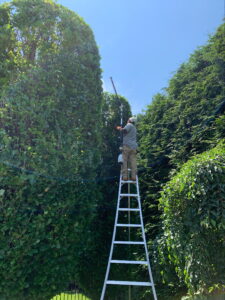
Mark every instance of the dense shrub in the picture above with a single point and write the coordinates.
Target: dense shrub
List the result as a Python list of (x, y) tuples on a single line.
[(193, 222)]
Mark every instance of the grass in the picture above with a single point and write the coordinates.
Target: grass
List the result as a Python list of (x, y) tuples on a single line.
[(64, 296)]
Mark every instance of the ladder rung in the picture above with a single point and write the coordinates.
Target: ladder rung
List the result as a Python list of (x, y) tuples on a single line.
[(128, 282), (138, 262), (128, 225), (128, 195), (128, 181), (128, 243), (129, 209)]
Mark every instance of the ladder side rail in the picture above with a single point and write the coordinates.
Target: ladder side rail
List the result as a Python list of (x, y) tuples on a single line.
[(145, 243), (113, 239), (129, 234)]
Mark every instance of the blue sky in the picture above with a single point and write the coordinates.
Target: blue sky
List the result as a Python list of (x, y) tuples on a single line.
[(143, 42)]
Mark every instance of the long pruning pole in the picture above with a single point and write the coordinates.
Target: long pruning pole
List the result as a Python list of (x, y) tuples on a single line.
[(121, 105)]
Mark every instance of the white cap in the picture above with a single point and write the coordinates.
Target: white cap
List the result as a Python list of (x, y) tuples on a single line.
[(132, 119)]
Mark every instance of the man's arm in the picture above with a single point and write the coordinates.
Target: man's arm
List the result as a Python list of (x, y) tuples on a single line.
[(122, 129)]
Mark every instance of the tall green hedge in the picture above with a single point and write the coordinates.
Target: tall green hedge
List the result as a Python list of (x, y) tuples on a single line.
[(51, 99), (185, 120)]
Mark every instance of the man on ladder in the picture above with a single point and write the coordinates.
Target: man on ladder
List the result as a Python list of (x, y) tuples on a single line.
[(129, 133), (129, 149)]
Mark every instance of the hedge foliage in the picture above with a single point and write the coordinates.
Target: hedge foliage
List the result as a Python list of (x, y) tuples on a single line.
[(194, 221), (51, 99), (45, 226), (51, 106), (185, 120)]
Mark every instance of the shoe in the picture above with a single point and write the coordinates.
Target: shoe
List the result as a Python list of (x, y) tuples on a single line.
[(133, 179), (125, 178)]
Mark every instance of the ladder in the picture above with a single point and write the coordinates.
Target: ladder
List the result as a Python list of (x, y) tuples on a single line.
[(119, 210)]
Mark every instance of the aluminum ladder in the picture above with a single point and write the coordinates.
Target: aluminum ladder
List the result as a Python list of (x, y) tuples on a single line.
[(136, 196)]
